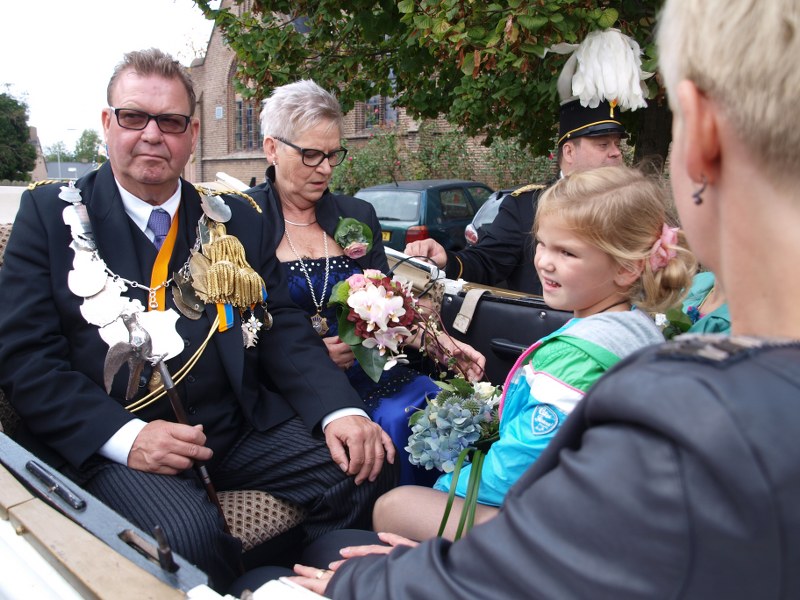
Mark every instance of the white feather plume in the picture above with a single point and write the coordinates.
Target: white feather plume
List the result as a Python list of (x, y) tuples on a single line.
[(607, 65)]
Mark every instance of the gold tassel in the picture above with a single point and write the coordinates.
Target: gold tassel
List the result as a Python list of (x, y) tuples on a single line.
[(220, 282), (230, 279)]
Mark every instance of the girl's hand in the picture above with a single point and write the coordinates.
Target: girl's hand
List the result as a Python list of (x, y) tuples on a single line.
[(340, 353)]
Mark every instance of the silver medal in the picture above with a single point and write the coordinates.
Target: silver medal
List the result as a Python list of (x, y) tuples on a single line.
[(215, 208), (186, 300), (105, 306), (88, 276)]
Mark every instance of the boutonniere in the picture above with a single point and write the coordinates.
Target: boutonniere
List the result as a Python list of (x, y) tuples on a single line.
[(354, 237)]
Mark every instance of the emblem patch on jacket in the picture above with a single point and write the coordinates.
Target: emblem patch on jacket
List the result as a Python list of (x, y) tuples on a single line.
[(544, 420)]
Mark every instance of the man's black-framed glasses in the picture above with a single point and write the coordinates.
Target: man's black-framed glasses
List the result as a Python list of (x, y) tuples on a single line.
[(128, 118), (314, 158)]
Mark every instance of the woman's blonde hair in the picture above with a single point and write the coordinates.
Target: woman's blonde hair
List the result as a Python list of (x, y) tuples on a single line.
[(621, 211), (743, 55)]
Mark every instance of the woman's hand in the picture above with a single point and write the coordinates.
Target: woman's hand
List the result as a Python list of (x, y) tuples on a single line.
[(392, 539), (340, 353), (317, 580), (470, 362)]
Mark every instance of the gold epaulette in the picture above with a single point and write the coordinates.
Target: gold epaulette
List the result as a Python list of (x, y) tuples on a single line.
[(217, 188), (35, 184), (531, 187)]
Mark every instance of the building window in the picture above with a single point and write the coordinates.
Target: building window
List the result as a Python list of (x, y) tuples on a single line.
[(247, 134), (378, 111)]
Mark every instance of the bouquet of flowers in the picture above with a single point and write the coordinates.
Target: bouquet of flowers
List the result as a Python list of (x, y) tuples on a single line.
[(376, 316), (462, 419), (463, 415)]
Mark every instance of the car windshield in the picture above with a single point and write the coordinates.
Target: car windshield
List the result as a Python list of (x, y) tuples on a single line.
[(393, 205)]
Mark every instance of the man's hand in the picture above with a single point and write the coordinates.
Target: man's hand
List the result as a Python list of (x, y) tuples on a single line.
[(340, 353), (429, 249), (168, 448), (359, 446)]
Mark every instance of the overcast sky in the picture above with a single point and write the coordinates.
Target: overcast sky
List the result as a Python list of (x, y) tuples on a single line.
[(58, 55)]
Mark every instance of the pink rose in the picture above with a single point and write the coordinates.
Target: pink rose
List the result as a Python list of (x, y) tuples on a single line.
[(357, 281), (355, 250)]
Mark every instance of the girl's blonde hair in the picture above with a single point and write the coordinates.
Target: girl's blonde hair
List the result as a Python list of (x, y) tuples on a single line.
[(621, 211)]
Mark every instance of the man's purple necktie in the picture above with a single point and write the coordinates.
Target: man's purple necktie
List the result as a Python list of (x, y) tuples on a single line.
[(158, 223)]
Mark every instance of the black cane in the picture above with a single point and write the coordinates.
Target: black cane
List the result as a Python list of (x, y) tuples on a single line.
[(180, 414)]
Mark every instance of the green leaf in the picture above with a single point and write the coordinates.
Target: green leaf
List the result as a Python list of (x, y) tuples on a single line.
[(371, 361), (608, 18), (532, 23), (469, 64), (405, 6), (339, 293), (462, 386)]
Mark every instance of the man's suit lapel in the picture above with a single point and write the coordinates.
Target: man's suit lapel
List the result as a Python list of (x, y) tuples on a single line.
[(112, 229), (229, 343)]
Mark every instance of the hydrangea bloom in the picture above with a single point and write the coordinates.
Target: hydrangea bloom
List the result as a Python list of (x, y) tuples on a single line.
[(462, 415)]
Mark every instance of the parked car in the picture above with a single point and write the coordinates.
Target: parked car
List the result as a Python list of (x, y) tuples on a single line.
[(432, 208), (485, 215)]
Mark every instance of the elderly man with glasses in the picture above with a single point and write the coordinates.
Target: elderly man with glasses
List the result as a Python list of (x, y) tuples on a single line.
[(94, 273)]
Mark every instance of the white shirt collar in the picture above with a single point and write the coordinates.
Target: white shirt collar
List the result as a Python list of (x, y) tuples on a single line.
[(139, 210)]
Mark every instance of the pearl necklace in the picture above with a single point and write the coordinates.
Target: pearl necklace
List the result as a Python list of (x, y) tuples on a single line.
[(298, 224), (318, 322)]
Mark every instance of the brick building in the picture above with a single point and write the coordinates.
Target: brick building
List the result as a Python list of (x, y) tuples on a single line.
[(230, 135)]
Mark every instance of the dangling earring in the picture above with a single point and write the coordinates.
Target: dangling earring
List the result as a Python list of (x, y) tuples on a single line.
[(698, 193), (274, 163)]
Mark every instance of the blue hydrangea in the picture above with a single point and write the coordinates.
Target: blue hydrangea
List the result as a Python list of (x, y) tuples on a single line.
[(448, 425)]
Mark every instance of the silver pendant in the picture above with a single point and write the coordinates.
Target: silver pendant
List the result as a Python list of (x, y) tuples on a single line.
[(88, 276), (105, 306), (320, 324), (215, 208), (267, 320), (250, 329), (185, 298)]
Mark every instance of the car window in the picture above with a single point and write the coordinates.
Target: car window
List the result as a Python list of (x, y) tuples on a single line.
[(479, 194), (393, 205), (455, 205)]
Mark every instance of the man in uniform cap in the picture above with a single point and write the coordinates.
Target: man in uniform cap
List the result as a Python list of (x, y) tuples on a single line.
[(589, 137)]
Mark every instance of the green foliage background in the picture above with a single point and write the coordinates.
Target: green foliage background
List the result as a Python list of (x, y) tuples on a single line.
[(481, 65), (17, 153)]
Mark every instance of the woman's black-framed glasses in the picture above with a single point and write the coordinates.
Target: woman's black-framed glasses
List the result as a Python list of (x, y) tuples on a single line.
[(314, 158), (128, 118)]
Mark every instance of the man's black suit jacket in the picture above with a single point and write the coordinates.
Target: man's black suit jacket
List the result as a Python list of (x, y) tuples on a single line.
[(51, 360), (504, 254)]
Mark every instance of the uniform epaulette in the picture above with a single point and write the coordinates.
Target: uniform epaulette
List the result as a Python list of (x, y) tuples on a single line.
[(531, 187), (35, 184), (217, 188), (714, 348)]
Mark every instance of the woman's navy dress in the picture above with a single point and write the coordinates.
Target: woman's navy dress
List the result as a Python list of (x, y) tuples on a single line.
[(389, 402)]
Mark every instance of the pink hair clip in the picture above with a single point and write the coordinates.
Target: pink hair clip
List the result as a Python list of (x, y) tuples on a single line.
[(663, 249)]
